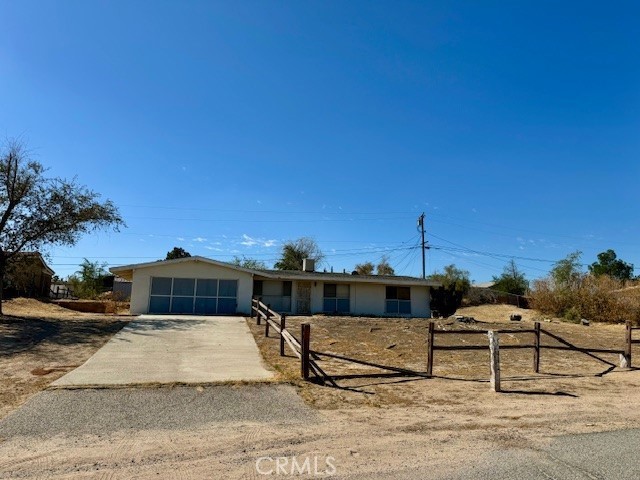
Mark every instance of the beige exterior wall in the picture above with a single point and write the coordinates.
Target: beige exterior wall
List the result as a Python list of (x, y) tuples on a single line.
[(369, 299), (142, 282)]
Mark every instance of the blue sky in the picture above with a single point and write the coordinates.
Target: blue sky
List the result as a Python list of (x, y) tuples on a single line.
[(227, 128)]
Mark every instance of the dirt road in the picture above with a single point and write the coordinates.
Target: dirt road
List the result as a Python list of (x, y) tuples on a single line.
[(456, 433)]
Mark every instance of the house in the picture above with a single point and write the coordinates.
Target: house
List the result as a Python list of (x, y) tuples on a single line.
[(27, 275), (199, 285)]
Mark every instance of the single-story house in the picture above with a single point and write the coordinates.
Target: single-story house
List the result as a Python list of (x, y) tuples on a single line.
[(199, 285), (28, 275)]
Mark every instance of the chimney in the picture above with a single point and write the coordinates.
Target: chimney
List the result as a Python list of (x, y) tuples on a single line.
[(308, 265)]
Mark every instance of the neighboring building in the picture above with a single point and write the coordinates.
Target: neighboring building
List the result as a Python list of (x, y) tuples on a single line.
[(198, 285), (27, 275)]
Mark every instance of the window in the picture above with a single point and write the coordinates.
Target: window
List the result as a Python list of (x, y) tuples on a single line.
[(336, 298), (398, 300), (275, 293)]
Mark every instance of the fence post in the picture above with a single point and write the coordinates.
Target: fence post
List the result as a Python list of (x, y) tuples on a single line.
[(305, 335), (536, 350), (430, 337), (283, 325), (258, 311), (253, 302), (494, 347), (266, 321), (625, 360)]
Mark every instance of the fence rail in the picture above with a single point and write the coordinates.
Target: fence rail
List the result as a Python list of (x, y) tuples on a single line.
[(300, 347), (537, 346)]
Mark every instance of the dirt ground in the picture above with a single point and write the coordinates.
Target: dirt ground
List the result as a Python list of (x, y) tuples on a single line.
[(376, 423), (40, 342), (403, 343)]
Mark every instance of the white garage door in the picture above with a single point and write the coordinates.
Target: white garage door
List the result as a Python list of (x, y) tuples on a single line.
[(200, 296)]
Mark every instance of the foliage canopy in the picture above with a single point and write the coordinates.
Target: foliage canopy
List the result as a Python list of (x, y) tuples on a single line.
[(37, 211), (88, 282), (384, 267), (609, 264), (250, 263), (177, 252), (455, 284), (365, 268), (295, 251), (512, 280)]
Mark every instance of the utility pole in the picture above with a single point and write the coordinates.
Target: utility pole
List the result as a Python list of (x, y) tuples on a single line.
[(421, 227)]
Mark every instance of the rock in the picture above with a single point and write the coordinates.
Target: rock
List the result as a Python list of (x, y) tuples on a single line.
[(389, 347), (463, 319), (584, 322), (515, 317)]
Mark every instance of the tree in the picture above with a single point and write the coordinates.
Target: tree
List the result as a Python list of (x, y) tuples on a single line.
[(295, 251), (512, 280), (36, 211), (88, 282), (384, 267), (250, 263), (455, 285), (177, 252), (609, 264), (365, 268), (454, 278), (567, 273)]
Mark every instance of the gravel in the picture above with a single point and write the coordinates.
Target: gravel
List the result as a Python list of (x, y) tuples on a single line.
[(99, 411)]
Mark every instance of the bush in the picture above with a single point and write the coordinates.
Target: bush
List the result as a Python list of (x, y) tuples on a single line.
[(593, 298), (479, 296)]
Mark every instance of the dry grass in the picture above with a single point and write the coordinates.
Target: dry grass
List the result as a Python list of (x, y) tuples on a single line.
[(601, 299), (402, 343), (40, 342)]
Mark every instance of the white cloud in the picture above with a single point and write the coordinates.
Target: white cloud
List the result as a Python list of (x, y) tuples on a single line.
[(199, 239), (247, 241), (180, 239), (213, 248)]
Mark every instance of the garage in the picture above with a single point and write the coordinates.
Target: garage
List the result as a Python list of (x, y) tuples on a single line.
[(199, 296)]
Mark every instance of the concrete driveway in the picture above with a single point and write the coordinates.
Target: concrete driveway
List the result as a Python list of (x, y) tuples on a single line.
[(156, 349)]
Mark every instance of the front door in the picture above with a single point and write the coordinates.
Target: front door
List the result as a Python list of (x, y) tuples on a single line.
[(303, 298)]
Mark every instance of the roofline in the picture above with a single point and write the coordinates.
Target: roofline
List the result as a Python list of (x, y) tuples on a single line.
[(123, 269), (348, 278), (48, 269), (126, 271)]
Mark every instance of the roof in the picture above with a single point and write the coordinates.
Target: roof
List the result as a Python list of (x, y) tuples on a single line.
[(484, 284), (126, 272), (38, 256), (346, 277)]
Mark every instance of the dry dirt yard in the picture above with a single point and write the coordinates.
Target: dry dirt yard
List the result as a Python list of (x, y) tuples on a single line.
[(403, 343), (40, 342)]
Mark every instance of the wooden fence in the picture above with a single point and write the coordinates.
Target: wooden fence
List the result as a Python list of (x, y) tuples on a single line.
[(536, 345), (301, 348)]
